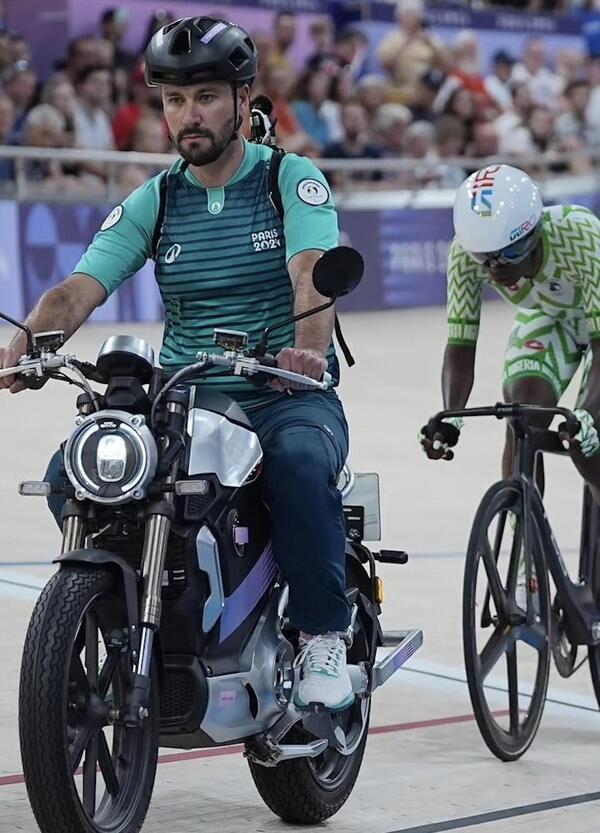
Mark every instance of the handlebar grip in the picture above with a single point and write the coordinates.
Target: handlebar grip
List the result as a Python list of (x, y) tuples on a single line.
[(571, 425)]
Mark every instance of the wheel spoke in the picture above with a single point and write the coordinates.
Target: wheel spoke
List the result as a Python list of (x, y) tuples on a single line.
[(108, 669), (494, 648), (77, 748), (496, 589), (106, 767), (78, 676), (89, 776), (515, 555), (513, 688), (91, 649)]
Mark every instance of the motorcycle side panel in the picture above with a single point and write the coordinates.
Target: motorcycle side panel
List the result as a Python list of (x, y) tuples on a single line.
[(221, 447)]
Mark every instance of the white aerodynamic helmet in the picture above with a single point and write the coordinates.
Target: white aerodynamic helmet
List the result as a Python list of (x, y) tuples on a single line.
[(497, 215)]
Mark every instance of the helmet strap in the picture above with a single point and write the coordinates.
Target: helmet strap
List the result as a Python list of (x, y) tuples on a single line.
[(237, 118)]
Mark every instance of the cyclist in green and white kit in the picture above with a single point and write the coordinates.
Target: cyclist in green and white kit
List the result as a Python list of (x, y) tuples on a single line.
[(545, 261)]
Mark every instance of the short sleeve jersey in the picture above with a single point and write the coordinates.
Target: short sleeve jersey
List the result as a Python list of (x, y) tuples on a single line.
[(222, 256), (567, 284)]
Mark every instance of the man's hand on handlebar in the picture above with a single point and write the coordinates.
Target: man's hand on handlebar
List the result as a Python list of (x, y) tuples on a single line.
[(299, 360), (437, 444), (9, 357)]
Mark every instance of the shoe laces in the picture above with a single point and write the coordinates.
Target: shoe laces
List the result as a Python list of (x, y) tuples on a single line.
[(323, 654)]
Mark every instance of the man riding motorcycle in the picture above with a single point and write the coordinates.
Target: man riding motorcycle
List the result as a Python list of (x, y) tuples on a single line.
[(224, 257)]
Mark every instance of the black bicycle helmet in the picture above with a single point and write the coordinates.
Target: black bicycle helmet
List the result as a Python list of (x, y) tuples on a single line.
[(195, 49)]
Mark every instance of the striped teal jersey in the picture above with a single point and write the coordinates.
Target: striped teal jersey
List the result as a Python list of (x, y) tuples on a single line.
[(222, 256)]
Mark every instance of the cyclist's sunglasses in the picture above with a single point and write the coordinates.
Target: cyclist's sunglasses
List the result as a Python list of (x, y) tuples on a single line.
[(511, 254)]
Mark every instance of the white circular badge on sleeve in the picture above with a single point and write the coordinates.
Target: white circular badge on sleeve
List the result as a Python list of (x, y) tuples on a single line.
[(113, 218), (312, 191)]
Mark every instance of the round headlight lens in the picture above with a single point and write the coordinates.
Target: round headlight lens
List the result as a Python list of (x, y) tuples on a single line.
[(111, 457)]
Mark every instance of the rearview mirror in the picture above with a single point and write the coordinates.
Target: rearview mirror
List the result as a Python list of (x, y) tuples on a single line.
[(338, 272)]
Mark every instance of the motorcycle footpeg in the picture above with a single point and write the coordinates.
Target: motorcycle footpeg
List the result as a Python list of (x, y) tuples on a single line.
[(265, 752), (383, 670), (391, 557)]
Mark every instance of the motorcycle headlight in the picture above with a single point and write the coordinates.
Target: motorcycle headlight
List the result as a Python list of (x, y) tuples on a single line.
[(111, 457)]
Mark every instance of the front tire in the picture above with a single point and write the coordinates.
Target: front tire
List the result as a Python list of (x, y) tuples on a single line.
[(493, 616), (66, 694)]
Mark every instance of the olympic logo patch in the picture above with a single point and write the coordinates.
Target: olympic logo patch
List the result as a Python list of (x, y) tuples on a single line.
[(482, 191)]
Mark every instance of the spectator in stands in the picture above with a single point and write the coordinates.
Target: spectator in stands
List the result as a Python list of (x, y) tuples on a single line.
[(20, 82), (485, 140), (419, 140), (497, 84), (278, 83), (545, 85), (391, 123), (264, 45), (44, 128), (449, 142), (573, 122), (148, 137), (354, 145), (410, 50), (342, 90), (461, 103), (570, 65), (59, 92), (350, 49), (322, 35), (145, 101), (19, 48), (81, 54), (466, 62), (7, 135), (309, 104), (372, 92), (426, 91), (284, 35), (93, 130), (113, 25), (512, 125), (542, 129)]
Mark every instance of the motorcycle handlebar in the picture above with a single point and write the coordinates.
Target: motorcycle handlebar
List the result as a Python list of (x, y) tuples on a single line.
[(509, 410)]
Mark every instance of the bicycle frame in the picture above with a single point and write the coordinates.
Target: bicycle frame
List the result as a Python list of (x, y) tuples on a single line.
[(577, 598)]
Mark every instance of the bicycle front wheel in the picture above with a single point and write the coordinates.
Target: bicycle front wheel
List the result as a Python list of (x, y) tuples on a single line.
[(506, 615)]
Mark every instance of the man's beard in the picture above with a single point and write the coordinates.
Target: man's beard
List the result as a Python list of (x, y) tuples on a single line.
[(196, 154)]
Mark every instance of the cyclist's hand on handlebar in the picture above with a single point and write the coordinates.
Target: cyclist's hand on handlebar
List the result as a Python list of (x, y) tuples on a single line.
[(437, 445), (300, 360), (9, 357), (587, 437)]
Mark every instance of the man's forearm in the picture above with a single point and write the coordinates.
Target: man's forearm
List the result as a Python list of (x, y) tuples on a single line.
[(591, 402), (64, 307), (314, 332), (457, 375)]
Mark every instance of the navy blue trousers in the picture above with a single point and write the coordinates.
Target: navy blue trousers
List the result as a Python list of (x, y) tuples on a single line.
[(304, 437)]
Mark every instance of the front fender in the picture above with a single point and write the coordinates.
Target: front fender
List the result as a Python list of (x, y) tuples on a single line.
[(105, 558)]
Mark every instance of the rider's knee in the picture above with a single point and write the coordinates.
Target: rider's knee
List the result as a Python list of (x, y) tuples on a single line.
[(302, 458)]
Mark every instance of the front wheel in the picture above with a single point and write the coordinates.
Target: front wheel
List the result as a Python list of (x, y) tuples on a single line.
[(506, 613), (84, 770)]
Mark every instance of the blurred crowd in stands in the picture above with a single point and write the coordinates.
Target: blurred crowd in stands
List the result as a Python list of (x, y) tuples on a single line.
[(431, 102)]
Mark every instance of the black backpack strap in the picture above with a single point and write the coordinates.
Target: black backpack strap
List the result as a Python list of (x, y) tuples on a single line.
[(273, 182), (276, 201), (162, 207), (160, 217)]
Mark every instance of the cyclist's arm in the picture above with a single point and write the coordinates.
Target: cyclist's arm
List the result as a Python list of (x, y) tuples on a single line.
[(591, 402), (310, 228), (588, 233), (464, 307)]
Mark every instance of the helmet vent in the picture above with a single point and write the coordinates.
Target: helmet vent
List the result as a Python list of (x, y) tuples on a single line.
[(182, 43), (203, 24), (238, 58), (250, 44), (170, 27)]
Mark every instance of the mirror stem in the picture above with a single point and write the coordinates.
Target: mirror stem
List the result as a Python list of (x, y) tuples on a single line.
[(25, 329), (261, 347)]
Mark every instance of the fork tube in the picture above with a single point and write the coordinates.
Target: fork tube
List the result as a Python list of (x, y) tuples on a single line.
[(73, 533), (158, 527), (527, 469)]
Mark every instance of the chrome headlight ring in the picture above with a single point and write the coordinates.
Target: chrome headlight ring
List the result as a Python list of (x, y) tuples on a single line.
[(111, 457)]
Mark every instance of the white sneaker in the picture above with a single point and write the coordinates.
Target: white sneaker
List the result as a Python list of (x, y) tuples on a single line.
[(324, 678)]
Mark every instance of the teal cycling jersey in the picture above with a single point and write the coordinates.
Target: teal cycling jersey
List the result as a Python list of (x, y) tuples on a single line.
[(221, 260)]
